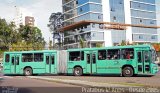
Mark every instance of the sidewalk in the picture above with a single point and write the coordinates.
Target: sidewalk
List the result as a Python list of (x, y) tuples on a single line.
[(83, 83)]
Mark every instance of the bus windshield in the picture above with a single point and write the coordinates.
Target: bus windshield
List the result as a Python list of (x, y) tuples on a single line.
[(153, 55)]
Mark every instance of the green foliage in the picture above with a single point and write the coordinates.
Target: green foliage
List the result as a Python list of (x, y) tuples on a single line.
[(123, 43), (50, 45), (82, 44), (23, 38), (99, 45)]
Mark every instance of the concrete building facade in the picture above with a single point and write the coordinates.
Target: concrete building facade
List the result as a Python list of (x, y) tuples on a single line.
[(23, 17), (137, 12)]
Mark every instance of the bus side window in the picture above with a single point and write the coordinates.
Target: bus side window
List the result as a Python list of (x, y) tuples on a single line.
[(52, 57), (88, 58), (75, 56), (7, 58), (94, 58), (139, 57), (127, 53), (17, 60), (12, 60), (101, 54), (146, 56), (38, 57), (82, 55), (47, 59), (113, 54)]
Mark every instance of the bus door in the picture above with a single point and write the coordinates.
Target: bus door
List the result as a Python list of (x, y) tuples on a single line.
[(143, 58), (15, 59), (50, 62), (91, 58)]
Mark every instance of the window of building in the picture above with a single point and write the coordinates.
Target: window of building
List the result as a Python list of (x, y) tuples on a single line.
[(112, 9), (140, 37), (153, 37), (76, 1), (101, 26), (140, 20), (38, 57), (127, 53), (76, 56), (28, 57), (81, 10), (114, 18), (99, 16), (7, 58), (152, 22), (113, 54), (93, 25), (102, 54), (120, 2)]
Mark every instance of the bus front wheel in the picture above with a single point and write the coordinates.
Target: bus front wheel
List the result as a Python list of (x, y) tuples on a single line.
[(28, 72), (127, 72), (78, 71)]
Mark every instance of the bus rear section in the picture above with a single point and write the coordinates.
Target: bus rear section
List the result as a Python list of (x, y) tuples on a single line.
[(30, 62)]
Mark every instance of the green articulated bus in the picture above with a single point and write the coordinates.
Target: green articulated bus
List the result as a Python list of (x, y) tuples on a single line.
[(34, 62), (123, 60)]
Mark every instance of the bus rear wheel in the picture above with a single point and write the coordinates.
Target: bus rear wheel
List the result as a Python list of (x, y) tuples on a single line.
[(78, 71), (127, 72), (28, 72)]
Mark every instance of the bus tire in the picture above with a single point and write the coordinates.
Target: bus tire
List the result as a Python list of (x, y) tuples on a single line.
[(127, 71), (78, 71), (28, 72)]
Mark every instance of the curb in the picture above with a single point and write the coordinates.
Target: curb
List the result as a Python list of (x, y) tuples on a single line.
[(81, 83)]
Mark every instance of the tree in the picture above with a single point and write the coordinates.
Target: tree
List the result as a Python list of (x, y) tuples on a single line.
[(6, 36), (30, 36), (99, 45), (123, 43), (82, 44)]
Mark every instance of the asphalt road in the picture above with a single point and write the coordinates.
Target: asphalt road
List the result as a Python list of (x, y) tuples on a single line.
[(22, 84), (28, 85), (150, 81)]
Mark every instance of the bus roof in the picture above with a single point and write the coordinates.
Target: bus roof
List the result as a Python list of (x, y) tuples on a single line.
[(32, 51), (113, 47)]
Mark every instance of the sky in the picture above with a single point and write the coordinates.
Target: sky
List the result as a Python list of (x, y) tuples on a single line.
[(40, 9)]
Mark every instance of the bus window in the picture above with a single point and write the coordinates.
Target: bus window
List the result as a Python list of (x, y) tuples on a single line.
[(101, 54), (88, 58), (94, 58), (113, 54), (146, 56), (17, 60), (47, 59), (52, 59), (28, 57), (139, 57), (82, 55), (127, 53), (74, 56), (7, 58), (12, 60), (38, 57)]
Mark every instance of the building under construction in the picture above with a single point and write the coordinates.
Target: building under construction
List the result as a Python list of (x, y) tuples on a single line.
[(109, 22)]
